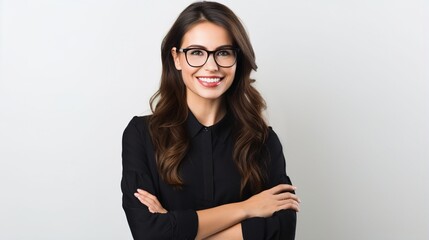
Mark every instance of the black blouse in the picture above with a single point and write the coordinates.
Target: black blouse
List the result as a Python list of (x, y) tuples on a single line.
[(211, 179)]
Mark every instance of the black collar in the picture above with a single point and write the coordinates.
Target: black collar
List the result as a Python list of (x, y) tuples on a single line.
[(221, 129)]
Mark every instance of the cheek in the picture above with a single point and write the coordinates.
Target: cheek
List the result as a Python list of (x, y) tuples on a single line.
[(188, 73), (189, 70), (232, 72)]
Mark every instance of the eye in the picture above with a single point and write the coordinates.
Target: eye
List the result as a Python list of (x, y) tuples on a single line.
[(196, 52), (224, 53)]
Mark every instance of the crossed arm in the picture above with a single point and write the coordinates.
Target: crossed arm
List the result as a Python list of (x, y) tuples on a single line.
[(224, 222)]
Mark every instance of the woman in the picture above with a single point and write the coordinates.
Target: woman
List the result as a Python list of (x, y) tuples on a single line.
[(205, 165)]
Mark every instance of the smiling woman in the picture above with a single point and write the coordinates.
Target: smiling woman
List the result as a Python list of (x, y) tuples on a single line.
[(205, 165)]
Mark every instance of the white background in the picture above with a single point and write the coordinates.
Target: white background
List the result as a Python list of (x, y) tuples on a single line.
[(346, 82)]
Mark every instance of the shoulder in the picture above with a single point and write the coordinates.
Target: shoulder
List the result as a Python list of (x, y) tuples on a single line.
[(140, 121), (138, 125), (273, 140), (272, 135)]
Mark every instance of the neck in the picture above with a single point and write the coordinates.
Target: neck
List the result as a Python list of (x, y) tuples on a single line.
[(208, 112)]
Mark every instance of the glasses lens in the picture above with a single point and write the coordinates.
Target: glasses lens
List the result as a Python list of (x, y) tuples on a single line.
[(225, 57), (196, 57)]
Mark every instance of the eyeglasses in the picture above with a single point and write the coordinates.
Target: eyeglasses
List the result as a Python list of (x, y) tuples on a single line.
[(197, 57)]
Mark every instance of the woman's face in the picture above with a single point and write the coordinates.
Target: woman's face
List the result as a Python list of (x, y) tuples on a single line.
[(209, 81)]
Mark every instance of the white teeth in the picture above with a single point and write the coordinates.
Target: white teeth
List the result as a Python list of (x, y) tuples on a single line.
[(209, 80)]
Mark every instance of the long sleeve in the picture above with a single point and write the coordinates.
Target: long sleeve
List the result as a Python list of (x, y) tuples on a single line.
[(282, 224), (180, 224)]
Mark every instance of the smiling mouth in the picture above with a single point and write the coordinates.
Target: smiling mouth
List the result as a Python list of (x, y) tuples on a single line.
[(209, 79), (210, 82)]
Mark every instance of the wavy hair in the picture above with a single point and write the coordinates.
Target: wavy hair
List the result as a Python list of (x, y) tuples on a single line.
[(170, 111)]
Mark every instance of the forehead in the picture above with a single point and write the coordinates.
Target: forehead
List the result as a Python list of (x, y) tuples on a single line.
[(206, 34)]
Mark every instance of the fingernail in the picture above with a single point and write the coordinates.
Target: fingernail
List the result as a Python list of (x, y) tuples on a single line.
[(136, 195)]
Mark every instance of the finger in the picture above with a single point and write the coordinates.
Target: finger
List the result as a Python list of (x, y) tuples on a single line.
[(161, 210), (154, 206), (138, 196), (287, 195), (281, 188), (144, 200), (156, 210), (146, 194), (290, 204), (153, 199), (153, 203)]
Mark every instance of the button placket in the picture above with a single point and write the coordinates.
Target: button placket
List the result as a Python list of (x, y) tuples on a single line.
[(208, 165)]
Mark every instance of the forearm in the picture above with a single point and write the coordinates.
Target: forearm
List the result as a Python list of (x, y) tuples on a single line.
[(224, 219), (232, 233)]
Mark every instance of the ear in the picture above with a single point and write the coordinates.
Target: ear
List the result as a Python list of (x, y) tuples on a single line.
[(176, 58)]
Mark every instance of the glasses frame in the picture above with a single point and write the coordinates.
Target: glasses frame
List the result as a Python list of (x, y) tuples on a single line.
[(185, 50)]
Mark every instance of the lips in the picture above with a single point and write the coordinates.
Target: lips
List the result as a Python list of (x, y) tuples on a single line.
[(212, 81)]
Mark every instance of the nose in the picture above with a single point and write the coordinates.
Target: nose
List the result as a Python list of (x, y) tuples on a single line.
[(211, 64)]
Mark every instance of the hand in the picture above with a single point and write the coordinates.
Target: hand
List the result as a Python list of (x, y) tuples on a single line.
[(265, 203), (150, 201)]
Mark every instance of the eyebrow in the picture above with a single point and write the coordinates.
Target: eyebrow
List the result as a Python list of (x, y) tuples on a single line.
[(203, 47)]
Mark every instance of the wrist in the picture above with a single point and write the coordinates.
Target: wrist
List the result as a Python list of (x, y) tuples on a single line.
[(244, 209)]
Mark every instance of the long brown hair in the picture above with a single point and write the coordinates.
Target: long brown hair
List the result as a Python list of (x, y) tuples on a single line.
[(170, 111)]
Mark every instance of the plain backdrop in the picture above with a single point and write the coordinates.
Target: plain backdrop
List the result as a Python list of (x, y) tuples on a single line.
[(346, 82)]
